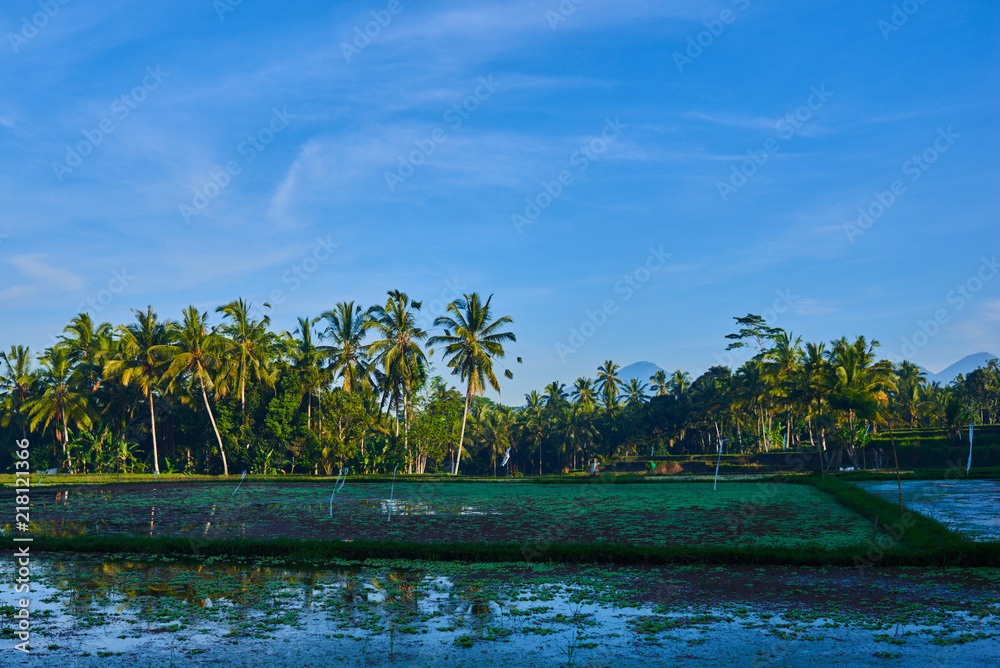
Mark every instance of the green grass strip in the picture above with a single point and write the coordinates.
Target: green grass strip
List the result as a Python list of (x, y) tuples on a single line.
[(918, 539)]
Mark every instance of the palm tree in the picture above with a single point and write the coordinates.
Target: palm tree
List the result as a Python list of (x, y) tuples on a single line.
[(60, 400), (17, 382), (536, 423), (817, 381), (346, 328), (680, 383), (912, 380), (783, 362), (636, 392), (472, 339), (195, 355), (754, 391), (307, 359), (555, 395), (399, 353), (608, 383), (496, 432), (862, 386), (659, 384), (580, 429), (584, 393), (87, 345), (254, 343), (142, 362)]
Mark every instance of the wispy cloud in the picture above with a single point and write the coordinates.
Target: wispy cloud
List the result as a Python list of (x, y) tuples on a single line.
[(44, 278)]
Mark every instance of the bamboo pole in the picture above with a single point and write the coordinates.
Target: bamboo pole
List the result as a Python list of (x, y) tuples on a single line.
[(895, 459)]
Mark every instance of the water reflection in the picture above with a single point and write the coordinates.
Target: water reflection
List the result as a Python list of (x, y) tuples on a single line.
[(969, 506), (159, 608), (403, 507)]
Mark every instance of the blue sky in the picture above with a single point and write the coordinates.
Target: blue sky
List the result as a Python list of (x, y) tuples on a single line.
[(582, 164)]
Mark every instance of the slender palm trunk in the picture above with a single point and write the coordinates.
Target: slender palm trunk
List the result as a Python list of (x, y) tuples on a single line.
[(152, 424), (66, 450), (204, 395), (243, 380), (461, 437), (406, 431)]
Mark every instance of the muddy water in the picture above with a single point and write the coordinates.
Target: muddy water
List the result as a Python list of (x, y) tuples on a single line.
[(665, 513), (131, 612), (969, 506)]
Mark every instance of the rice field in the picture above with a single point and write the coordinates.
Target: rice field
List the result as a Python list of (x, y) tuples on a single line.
[(762, 513), (971, 507), (125, 610)]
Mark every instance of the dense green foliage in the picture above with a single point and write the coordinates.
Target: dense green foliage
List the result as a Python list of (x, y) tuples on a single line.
[(356, 389)]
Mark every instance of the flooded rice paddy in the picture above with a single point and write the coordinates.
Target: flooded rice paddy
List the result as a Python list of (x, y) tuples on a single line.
[(125, 611), (971, 507), (667, 513)]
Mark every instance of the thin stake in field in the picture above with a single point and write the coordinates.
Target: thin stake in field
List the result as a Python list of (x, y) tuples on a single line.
[(969, 465), (864, 464), (238, 486), (336, 489), (895, 460), (716, 484), (392, 491)]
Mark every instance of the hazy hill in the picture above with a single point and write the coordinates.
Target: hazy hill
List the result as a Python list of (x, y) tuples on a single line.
[(640, 370), (963, 366)]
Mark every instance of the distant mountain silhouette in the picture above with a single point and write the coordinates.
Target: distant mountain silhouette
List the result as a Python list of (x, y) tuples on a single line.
[(641, 370), (963, 366)]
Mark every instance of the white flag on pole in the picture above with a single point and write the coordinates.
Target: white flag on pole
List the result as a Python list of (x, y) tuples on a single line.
[(716, 484), (969, 465), (506, 458)]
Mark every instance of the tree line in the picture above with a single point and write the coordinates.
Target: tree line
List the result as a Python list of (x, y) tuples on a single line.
[(356, 388)]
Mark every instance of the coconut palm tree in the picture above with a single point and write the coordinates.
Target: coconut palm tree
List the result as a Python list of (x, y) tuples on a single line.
[(659, 384), (536, 422), (346, 326), (195, 355), (636, 392), (584, 393), (472, 340), (754, 391), (816, 382), (496, 432), (912, 381), (609, 384), (863, 384), (307, 360), (61, 400), (783, 362), (252, 342), (580, 430), (142, 362), (398, 352), (87, 346), (680, 383), (17, 383), (555, 395)]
